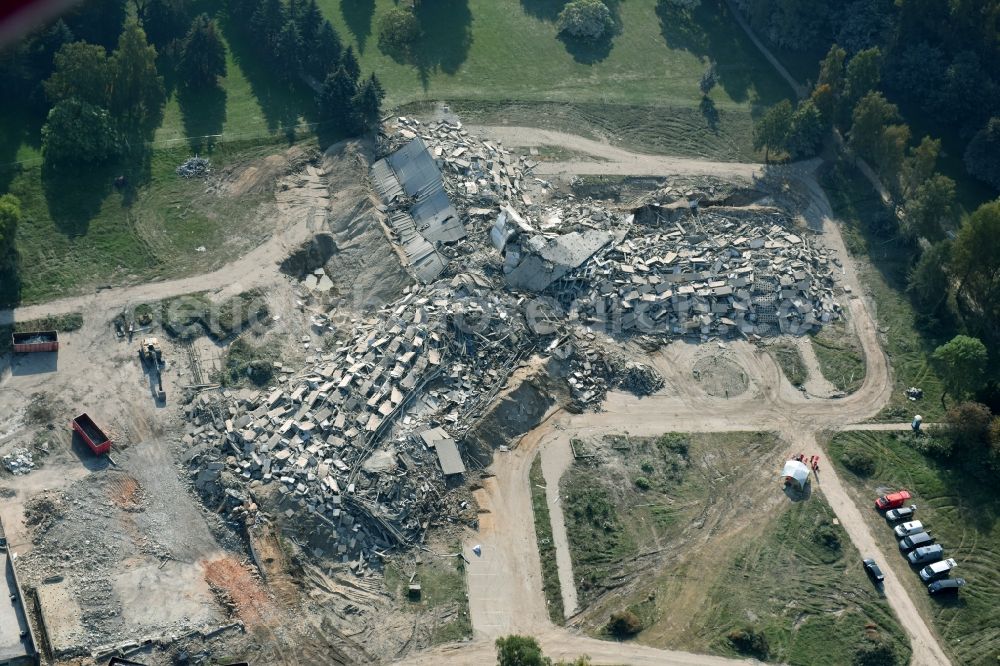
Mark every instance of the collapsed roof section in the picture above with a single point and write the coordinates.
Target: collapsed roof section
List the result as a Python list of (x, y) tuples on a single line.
[(540, 261), (411, 173)]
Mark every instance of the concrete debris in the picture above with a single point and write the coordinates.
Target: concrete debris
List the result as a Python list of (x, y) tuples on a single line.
[(18, 462), (719, 272), (360, 443), (194, 167)]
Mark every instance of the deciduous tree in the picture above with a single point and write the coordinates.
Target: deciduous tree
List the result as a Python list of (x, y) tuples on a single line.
[(806, 130), (976, 265), (961, 363), (78, 132), (982, 155), (931, 208), (517, 650), (585, 19), (863, 75), (919, 164), (398, 32), (83, 72), (771, 131)]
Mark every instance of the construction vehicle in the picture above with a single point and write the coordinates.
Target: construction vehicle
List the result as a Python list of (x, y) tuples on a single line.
[(151, 356), (91, 434), (150, 352)]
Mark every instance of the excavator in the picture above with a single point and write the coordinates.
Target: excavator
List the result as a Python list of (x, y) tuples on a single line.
[(151, 356)]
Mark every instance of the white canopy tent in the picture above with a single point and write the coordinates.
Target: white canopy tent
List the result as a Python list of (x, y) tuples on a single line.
[(795, 472)]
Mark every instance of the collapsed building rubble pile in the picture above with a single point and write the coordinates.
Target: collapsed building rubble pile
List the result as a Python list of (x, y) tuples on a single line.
[(360, 442), (483, 173), (711, 272), (330, 438)]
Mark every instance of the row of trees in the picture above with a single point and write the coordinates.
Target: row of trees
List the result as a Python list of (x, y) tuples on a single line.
[(302, 45), (101, 101), (935, 58)]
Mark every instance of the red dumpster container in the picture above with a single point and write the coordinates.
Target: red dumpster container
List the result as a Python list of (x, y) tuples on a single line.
[(38, 341), (92, 434)]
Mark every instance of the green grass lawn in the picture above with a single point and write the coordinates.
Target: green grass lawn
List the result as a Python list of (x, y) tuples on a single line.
[(443, 594), (697, 548), (883, 263), (801, 584), (546, 547), (961, 512), (79, 231), (789, 358), (502, 61), (840, 357)]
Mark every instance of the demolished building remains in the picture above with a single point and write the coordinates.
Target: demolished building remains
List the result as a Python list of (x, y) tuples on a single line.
[(358, 442)]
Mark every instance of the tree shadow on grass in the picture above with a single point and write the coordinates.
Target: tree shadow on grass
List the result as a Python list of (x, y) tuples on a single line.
[(586, 51), (709, 113), (17, 127), (547, 10), (711, 31), (75, 194), (281, 100), (358, 17), (10, 280), (446, 27), (203, 112)]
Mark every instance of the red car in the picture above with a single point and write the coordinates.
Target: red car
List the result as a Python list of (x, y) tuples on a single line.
[(892, 500)]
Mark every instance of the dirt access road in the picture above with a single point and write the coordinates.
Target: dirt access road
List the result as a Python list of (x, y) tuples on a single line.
[(505, 582)]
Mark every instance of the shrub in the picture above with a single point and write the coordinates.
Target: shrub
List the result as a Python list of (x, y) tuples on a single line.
[(969, 426), (826, 534), (642, 483), (398, 31), (585, 19), (749, 641), (624, 624), (858, 460), (934, 444), (876, 652)]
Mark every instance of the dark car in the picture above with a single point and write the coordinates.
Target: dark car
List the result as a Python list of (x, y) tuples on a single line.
[(902, 513), (873, 571), (915, 541), (926, 554), (948, 585)]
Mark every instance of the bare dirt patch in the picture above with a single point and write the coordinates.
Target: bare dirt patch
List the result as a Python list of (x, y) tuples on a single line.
[(239, 589), (720, 377)]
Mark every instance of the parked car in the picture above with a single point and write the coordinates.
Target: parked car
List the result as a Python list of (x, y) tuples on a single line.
[(906, 529), (926, 554), (937, 570), (916, 541), (946, 586), (902, 513), (871, 568), (892, 500)]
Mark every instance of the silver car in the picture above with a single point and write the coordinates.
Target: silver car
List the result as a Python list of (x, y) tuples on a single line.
[(937, 570), (906, 529)]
